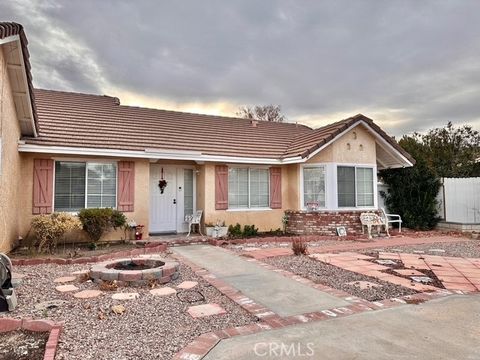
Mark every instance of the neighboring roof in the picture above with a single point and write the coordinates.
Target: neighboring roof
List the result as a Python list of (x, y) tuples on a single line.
[(8, 29), (77, 120)]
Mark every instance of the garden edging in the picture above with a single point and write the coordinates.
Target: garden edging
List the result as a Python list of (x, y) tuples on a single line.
[(40, 325), (91, 259)]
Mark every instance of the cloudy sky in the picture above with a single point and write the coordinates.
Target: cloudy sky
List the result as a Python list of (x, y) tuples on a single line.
[(410, 65)]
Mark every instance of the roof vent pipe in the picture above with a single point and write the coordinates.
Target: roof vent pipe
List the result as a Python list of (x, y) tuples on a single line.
[(254, 123)]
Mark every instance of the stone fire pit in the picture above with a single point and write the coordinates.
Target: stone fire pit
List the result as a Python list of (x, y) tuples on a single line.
[(135, 271)]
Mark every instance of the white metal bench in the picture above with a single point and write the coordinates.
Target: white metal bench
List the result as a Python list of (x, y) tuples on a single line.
[(194, 219), (392, 218), (370, 219)]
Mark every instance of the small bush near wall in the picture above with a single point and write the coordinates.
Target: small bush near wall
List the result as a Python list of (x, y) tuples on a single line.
[(97, 222), (49, 229), (299, 247), (235, 231)]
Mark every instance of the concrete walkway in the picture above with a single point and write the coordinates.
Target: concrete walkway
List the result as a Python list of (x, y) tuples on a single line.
[(284, 296), (447, 328)]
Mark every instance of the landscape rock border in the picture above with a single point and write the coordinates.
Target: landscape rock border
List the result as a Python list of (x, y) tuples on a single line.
[(91, 259), (39, 325)]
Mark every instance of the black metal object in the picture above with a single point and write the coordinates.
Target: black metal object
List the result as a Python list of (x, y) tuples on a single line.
[(8, 298)]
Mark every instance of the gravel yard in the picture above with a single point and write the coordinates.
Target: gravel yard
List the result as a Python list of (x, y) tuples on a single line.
[(338, 278), (152, 327), (23, 345), (261, 245), (469, 248)]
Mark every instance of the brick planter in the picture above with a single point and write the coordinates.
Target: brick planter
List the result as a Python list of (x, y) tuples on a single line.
[(10, 324), (323, 222), (159, 269)]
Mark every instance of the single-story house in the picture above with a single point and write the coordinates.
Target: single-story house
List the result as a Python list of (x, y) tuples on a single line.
[(64, 151)]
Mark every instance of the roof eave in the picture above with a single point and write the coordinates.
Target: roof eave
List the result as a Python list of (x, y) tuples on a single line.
[(9, 33)]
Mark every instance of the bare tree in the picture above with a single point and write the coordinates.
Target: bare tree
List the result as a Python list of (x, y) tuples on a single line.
[(262, 112)]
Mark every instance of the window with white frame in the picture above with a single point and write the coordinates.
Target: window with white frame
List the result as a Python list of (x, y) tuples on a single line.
[(81, 185), (248, 188), (355, 186), (187, 192), (314, 186)]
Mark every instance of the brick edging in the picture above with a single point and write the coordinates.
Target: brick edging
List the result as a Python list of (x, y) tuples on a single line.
[(40, 325), (91, 259), (281, 239), (269, 320)]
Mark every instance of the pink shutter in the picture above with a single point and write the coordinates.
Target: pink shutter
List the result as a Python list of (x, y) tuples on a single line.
[(126, 185), (276, 188), (42, 186), (221, 187)]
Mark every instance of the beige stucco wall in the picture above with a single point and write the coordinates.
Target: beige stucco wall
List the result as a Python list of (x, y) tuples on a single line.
[(141, 207), (263, 219), (10, 180), (355, 147)]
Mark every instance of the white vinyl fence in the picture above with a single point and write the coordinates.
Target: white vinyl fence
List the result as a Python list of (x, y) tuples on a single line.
[(460, 198)]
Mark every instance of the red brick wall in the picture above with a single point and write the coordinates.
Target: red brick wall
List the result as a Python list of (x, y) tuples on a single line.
[(323, 222)]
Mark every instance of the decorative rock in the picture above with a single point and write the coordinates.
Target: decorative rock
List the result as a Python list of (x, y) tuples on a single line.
[(66, 288), (87, 294), (421, 279), (363, 285), (386, 262), (65, 279), (118, 309), (163, 291), (205, 310), (51, 304), (125, 296), (187, 285)]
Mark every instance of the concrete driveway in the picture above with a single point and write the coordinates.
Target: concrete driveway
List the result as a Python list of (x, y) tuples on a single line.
[(446, 328)]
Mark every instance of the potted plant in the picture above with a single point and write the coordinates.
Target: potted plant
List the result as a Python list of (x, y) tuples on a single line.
[(218, 230)]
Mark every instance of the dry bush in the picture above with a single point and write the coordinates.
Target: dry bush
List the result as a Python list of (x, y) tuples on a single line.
[(49, 229), (109, 285), (299, 247)]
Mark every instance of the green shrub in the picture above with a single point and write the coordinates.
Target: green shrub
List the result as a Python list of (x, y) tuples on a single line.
[(250, 231), (412, 193), (235, 231), (98, 221), (49, 229)]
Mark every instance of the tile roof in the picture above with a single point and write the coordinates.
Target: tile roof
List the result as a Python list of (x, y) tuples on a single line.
[(95, 121), (9, 29), (305, 144)]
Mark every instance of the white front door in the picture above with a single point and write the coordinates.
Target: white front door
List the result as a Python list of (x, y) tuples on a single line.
[(163, 207)]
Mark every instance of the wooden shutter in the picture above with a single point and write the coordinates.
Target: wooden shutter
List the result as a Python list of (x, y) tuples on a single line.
[(126, 186), (276, 187), (221, 187), (42, 186)]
